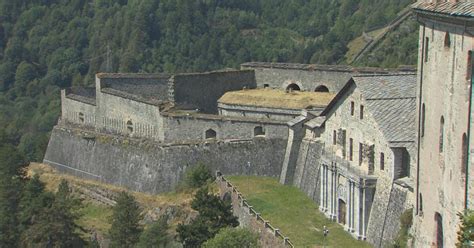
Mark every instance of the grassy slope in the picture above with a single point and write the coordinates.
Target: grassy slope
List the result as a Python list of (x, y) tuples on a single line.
[(293, 212)]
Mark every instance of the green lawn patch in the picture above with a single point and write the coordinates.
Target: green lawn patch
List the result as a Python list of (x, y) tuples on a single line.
[(290, 210), (96, 217)]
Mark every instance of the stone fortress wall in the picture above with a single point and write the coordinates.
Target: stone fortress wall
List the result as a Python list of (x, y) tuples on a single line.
[(130, 133)]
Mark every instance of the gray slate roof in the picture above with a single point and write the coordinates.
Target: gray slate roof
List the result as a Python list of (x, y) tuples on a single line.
[(391, 101), (461, 9)]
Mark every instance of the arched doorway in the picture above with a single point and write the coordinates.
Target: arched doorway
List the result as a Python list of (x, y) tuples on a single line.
[(341, 216), (210, 134), (293, 87), (258, 131), (321, 88)]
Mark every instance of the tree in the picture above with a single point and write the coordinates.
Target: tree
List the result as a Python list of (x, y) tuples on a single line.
[(466, 230), (125, 230), (214, 214), (10, 190), (56, 225), (156, 235), (233, 238), (198, 176)]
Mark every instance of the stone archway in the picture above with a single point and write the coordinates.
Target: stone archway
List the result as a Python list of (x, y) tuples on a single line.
[(321, 88), (293, 87)]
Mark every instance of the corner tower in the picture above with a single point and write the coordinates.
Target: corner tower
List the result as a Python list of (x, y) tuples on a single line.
[(445, 134)]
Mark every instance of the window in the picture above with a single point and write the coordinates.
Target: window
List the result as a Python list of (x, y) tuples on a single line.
[(81, 117), (334, 137), (361, 112), (258, 131), (352, 108), (351, 148), (439, 230), (293, 87), (447, 40), (266, 85), (382, 161), (321, 88), (427, 44), (464, 156), (360, 153), (130, 126), (420, 201), (422, 131), (469, 66), (441, 134), (210, 134)]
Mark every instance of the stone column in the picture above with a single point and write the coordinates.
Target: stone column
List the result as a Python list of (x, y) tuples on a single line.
[(322, 187), (348, 205), (357, 211), (363, 214)]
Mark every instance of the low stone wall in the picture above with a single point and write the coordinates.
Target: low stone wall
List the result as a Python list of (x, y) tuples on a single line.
[(148, 166), (269, 236)]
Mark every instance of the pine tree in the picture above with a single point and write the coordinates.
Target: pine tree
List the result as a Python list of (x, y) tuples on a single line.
[(125, 230), (56, 225), (156, 235), (214, 214)]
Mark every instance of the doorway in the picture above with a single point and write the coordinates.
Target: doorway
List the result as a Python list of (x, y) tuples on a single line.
[(341, 217)]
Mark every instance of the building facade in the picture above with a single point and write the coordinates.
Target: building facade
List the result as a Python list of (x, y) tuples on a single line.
[(443, 185)]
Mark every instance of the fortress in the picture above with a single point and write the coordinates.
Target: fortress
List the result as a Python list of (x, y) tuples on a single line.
[(348, 137)]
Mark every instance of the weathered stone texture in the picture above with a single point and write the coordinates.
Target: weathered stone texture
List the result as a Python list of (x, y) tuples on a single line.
[(185, 128), (147, 166), (202, 90)]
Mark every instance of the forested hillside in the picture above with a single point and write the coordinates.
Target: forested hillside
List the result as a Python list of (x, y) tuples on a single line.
[(46, 45)]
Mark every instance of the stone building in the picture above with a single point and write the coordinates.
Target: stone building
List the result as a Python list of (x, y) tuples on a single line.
[(143, 131), (362, 176), (443, 186)]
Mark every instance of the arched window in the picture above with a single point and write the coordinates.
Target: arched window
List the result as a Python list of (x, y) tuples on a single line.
[(439, 230), (258, 131), (447, 40), (210, 134), (81, 117), (293, 87), (321, 88), (464, 156), (130, 126), (422, 131), (441, 134)]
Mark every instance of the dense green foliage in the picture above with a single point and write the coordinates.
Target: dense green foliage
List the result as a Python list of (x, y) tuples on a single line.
[(214, 214), (466, 231), (50, 44), (30, 216), (198, 176), (156, 235), (126, 229), (233, 238)]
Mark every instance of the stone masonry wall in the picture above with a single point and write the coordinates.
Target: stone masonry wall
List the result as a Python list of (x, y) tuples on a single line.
[(269, 236), (202, 90), (186, 128), (71, 111), (307, 177), (147, 166)]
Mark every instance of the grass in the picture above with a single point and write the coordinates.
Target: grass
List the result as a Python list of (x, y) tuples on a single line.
[(290, 210), (96, 217), (277, 98)]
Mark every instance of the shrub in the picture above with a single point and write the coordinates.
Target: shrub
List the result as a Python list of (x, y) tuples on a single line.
[(233, 238), (198, 176)]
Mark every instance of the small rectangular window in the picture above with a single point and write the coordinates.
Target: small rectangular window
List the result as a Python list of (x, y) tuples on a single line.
[(427, 45), (351, 149), (382, 161), (352, 108), (334, 137), (469, 66), (360, 153), (361, 112)]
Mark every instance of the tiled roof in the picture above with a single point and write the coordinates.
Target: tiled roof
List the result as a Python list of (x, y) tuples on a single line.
[(391, 101), (316, 67), (461, 9), (81, 94)]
